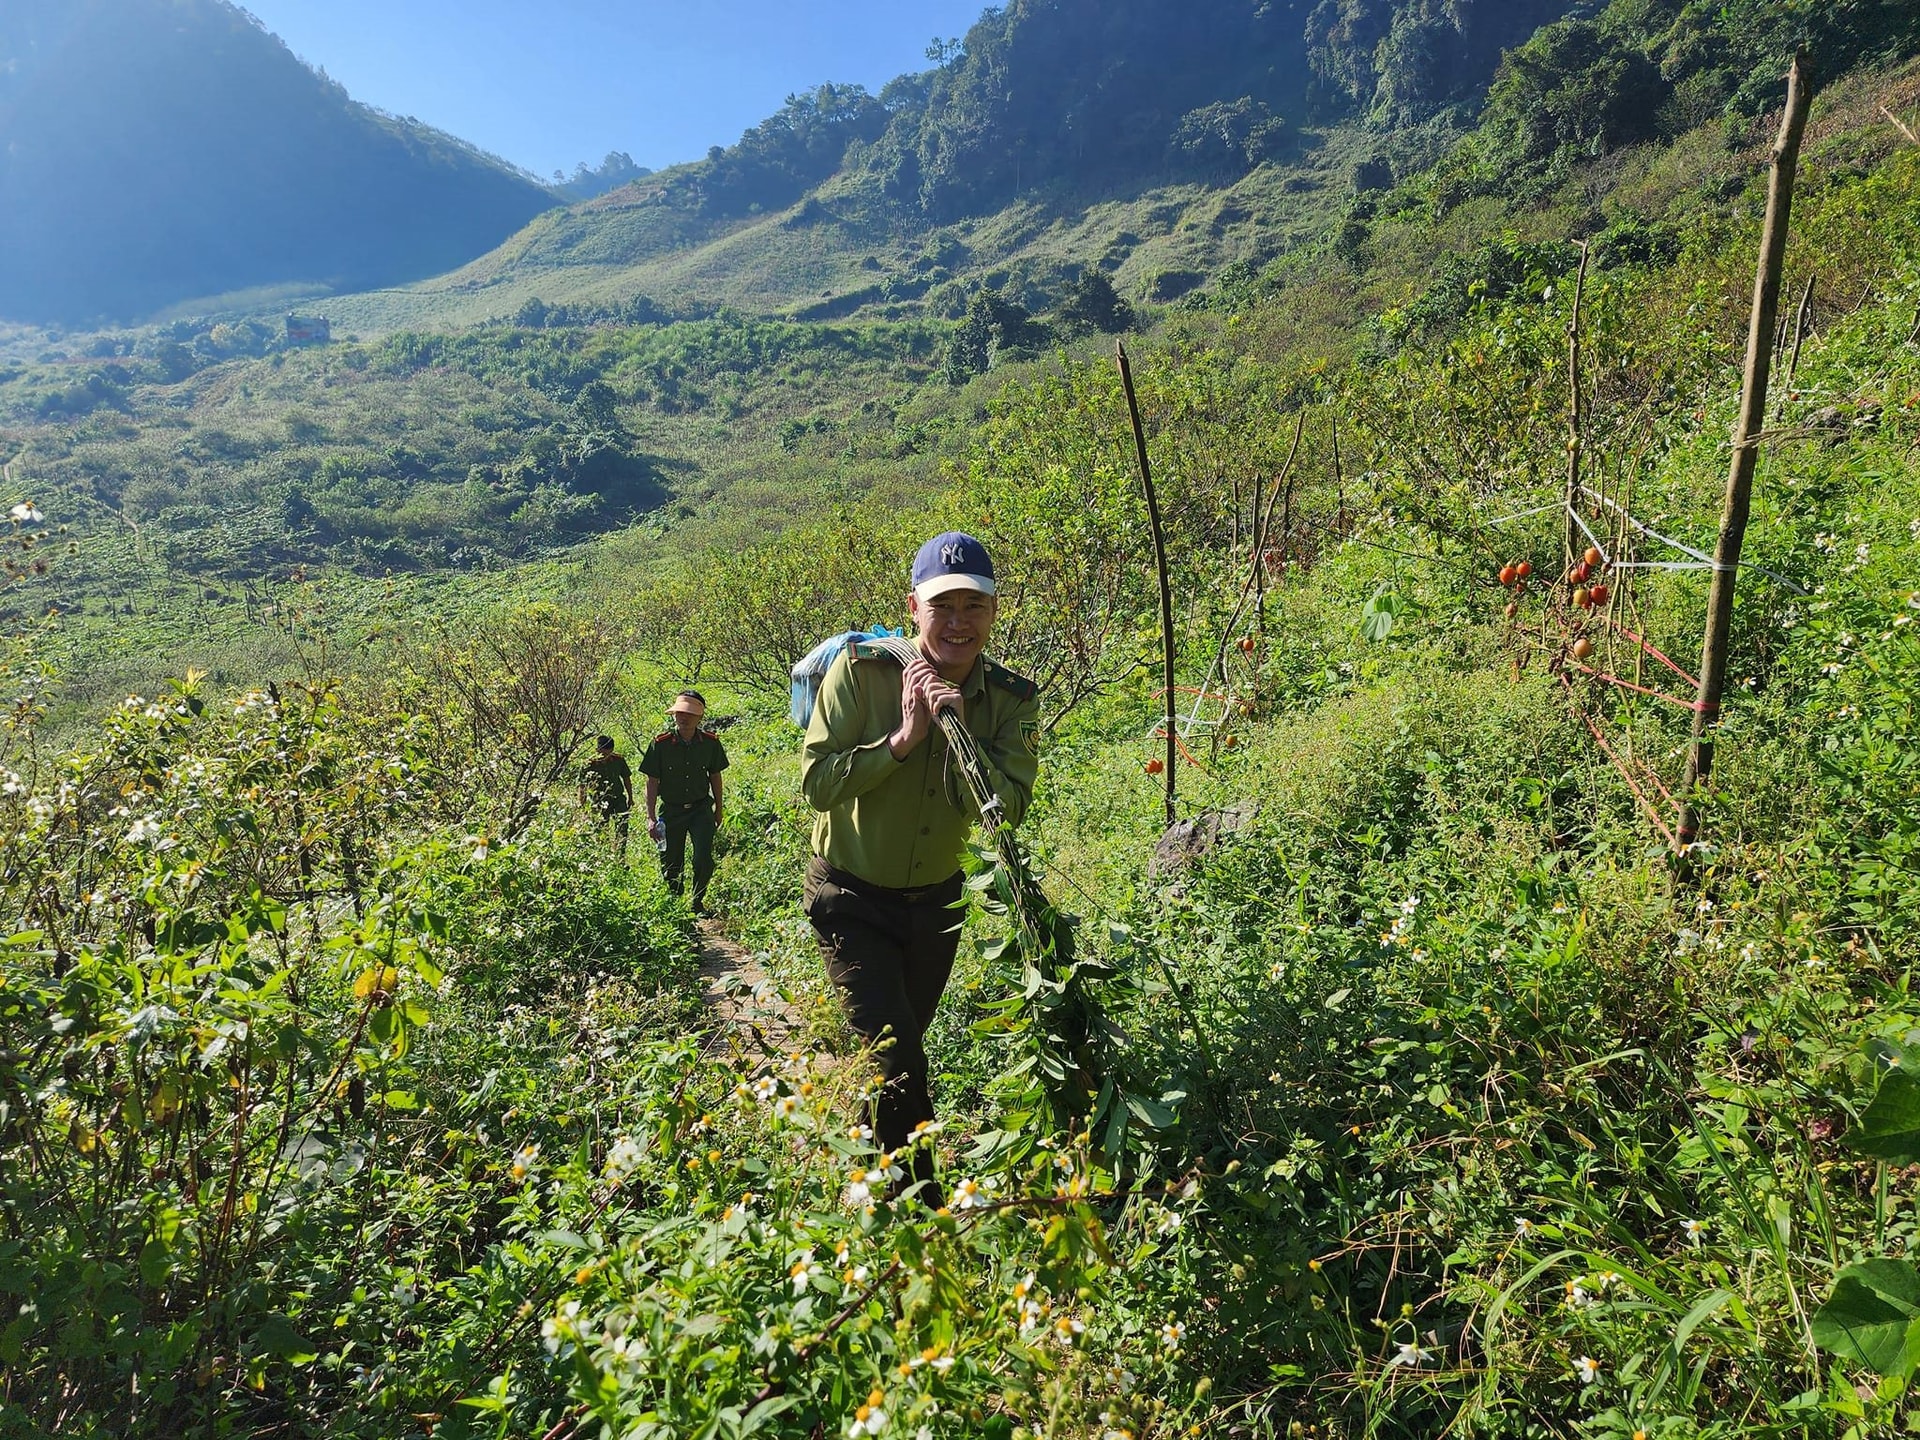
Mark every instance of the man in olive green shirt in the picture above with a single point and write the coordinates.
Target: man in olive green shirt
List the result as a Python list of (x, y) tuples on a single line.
[(884, 884), (607, 785), (683, 766)]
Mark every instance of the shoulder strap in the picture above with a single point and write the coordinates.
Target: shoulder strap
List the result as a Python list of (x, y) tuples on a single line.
[(885, 647), (1021, 687)]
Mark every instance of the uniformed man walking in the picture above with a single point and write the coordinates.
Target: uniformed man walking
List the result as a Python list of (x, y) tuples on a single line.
[(884, 884), (607, 785), (683, 766)]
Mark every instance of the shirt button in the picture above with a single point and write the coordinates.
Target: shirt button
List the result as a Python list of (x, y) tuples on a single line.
[(926, 830), (928, 792)]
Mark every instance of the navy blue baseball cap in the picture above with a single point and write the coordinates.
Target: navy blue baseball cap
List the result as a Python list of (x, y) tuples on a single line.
[(953, 561)]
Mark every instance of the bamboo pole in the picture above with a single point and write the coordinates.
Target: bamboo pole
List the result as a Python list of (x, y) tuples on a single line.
[(1746, 448), (1160, 564)]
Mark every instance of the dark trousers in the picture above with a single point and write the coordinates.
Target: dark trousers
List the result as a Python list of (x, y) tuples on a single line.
[(688, 822), (619, 820), (889, 953)]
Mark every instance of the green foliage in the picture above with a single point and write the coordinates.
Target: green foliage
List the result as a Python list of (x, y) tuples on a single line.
[(1094, 304), (1870, 1315), (615, 170), (1400, 62), (747, 615), (1575, 85), (784, 156), (237, 1180), (993, 327), (1228, 138)]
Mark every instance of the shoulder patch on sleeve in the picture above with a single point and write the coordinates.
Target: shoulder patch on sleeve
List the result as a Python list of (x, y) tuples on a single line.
[(867, 650), (1007, 679)]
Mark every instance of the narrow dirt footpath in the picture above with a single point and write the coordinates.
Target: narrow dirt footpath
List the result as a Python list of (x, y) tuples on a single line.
[(743, 997)]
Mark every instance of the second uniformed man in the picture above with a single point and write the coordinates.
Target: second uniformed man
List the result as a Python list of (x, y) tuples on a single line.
[(884, 884), (607, 785), (683, 766)]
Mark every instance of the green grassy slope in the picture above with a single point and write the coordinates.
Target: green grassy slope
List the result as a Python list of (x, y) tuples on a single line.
[(834, 254)]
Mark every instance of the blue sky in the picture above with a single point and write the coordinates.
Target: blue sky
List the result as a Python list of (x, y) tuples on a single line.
[(549, 85)]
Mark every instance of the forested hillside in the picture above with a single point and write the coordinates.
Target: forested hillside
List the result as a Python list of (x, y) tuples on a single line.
[(1112, 123), (162, 151), (1428, 1075)]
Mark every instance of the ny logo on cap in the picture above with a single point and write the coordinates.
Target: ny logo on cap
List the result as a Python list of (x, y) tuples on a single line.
[(952, 554)]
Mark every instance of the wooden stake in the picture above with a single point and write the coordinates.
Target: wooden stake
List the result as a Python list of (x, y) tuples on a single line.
[(1575, 542), (1160, 564), (1746, 443)]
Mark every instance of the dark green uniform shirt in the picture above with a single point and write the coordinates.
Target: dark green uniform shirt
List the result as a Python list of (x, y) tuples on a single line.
[(609, 778), (683, 767), (903, 824)]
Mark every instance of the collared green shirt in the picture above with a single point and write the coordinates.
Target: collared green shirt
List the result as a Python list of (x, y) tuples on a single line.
[(903, 824), (684, 767)]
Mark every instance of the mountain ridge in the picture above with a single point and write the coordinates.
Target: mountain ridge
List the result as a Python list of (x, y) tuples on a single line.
[(163, 150)]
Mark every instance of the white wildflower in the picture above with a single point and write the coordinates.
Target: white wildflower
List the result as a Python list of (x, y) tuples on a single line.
[(859, 1190), (560, 1327), (870, 1418), (969, 1194), (623, 1159)]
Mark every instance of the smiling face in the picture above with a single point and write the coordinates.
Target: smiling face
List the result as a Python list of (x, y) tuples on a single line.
[(953, 628)]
